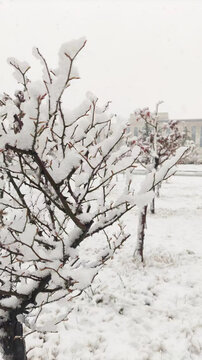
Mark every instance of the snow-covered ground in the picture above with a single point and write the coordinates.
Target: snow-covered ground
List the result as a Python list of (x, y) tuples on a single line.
[(190, 167), (135, 312), (182, 170)]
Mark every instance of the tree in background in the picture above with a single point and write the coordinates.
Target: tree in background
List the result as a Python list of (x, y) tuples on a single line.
[(160, 145), (158, 141)]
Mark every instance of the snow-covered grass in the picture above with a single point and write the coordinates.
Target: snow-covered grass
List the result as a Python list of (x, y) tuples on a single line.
[(190, 167), (182, 169), (141, 312)]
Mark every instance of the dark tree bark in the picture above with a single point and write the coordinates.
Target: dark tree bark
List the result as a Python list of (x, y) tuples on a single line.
[(12, 341), (152, 206), (158, 187), (141, 234)]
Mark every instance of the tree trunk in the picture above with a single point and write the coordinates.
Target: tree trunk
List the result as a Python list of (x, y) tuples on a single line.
[(141, 233), (12, 340), (152, 206), (158, 190)]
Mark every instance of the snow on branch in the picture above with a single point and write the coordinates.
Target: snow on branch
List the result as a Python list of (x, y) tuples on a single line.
[(58, 186)]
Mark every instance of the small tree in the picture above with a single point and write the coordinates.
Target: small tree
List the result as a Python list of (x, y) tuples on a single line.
[(160, 152), (58, 170), (158, 141)]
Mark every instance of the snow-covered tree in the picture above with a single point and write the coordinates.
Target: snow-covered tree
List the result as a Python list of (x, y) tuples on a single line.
[(161, 150), (158, 141), (58, 171)]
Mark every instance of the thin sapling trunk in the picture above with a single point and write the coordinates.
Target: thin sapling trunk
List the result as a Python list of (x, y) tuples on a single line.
[(141, 234)]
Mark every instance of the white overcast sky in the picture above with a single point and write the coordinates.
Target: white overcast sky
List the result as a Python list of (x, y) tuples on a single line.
[(137, 52)]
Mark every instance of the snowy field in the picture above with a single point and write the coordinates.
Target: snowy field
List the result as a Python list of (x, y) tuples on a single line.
[(182, 170), (150, 312)]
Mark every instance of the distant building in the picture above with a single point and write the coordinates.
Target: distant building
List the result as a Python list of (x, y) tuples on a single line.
[(191, 127)]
